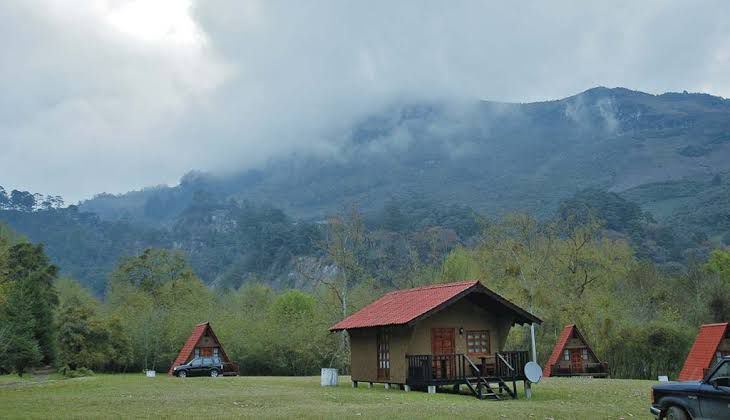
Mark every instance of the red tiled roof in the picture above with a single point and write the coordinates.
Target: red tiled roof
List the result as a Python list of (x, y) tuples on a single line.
[(187, 349), (403, 306), (558, 349), (703, 351)]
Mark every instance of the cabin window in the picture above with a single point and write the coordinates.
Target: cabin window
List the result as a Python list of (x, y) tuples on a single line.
[(383, 343), (215, 352), (383, 350), (566, 355), (584, 353), (477, 342), (197, 352)]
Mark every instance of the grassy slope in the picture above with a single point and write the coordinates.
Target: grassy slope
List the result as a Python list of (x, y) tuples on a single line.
[(138, 396)]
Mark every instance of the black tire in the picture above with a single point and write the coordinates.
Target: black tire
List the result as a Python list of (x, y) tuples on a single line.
[(214, 373), (676, 413), (182, 374)]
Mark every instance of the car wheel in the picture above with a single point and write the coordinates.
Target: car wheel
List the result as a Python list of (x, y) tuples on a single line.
[(213, 373), (676, 413), (182, 374)]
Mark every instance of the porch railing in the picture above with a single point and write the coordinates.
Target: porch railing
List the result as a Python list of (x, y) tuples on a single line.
[(425, 369), (586, 369)]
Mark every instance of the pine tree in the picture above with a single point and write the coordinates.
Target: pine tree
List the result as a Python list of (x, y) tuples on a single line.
[(17, 319), (32, 277)]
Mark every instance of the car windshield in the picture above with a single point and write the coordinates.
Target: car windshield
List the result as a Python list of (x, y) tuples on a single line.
[(722, 373), (196, 362)]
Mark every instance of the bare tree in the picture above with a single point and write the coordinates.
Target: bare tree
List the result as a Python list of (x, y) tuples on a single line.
[(523, 247), (343, 245)]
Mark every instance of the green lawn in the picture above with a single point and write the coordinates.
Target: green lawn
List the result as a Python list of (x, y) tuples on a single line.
[(295, 397)]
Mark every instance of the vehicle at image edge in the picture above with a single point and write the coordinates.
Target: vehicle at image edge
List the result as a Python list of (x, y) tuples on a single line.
[(200, 366), (705, 399)]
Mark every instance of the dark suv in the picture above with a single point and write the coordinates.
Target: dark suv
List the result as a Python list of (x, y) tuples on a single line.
[(706, 399), (200, 366)]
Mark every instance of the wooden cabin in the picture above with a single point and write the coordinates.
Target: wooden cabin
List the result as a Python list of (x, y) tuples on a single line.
[(573, 356), (446, 334), (204, 343), (711, 344)]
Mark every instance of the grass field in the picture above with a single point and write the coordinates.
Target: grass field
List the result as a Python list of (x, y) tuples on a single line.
[(138, 396)]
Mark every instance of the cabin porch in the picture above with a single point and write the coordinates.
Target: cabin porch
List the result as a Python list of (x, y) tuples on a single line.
[(487, 377), (596, 370)]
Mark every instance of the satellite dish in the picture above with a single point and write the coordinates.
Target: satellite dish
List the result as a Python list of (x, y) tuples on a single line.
[(533, 372)]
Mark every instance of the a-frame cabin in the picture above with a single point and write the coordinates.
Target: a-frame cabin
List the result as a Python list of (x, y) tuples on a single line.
[(203, 343), (573, 356), (711, 344)]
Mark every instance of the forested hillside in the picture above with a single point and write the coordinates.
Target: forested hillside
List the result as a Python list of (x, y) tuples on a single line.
[(493, 157), (424, 179), (640, 318)]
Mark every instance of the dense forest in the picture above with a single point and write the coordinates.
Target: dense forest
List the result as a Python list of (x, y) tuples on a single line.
[(573, 270), (608, 209)]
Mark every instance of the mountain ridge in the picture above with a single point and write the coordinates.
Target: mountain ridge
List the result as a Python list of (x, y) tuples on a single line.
[(611, 138)]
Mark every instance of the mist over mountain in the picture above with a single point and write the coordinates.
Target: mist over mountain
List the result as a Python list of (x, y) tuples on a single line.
[(426, 177), (494, 157)]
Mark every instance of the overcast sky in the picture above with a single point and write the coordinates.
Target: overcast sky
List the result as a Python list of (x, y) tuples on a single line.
[(113, 95)]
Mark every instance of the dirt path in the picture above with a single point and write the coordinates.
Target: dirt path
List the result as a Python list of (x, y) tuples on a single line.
[(35, 376)]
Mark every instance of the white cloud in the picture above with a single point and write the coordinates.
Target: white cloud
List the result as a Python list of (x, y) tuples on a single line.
[(121, 94)]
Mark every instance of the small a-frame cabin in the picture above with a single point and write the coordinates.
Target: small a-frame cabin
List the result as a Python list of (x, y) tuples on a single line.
[(204, 343), (711, 344), (573, 356), (446, 334)]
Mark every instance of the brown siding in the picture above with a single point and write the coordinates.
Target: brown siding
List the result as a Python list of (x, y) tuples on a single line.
[(364, 359), (574, 343), (417, 340), (461, 314), (399, 339), (363, 354), (207, 342)]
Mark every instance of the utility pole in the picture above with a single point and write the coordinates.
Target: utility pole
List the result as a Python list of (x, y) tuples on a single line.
[(534, 348)]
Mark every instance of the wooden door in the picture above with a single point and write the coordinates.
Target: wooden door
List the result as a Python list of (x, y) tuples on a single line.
[(576, 361), (443, 348), (383, 357), (206, 351)]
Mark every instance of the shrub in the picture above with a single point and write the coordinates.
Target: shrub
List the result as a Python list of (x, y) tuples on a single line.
[(75, 373)]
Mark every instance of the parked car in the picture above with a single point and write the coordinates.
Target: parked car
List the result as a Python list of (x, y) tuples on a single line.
[(200, 366), (705, 399)]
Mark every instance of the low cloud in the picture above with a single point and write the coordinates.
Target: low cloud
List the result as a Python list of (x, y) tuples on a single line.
[(95, 98)]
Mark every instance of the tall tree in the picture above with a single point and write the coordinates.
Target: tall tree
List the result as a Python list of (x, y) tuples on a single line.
[(343, 244), (18, 323), (32, 293), (152, 269), (83, 339)]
